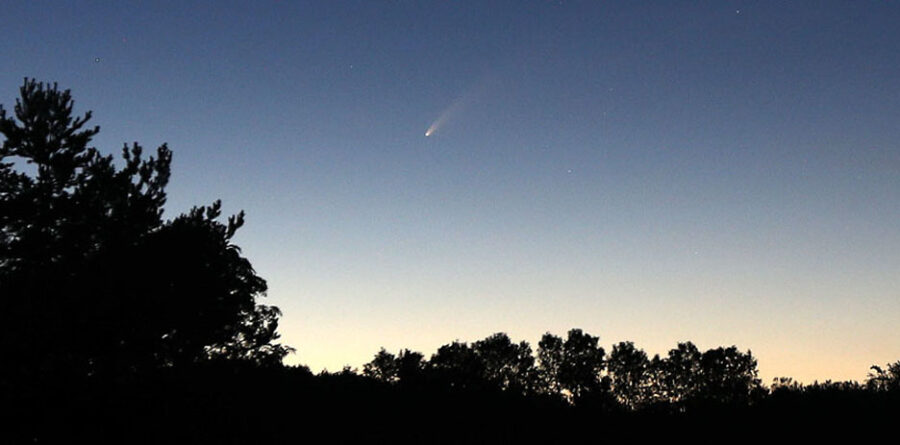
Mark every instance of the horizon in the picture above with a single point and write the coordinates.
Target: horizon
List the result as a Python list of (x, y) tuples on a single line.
[(725, 174)]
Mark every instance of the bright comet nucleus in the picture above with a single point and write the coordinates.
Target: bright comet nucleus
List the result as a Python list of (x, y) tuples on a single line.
[(449, 112)]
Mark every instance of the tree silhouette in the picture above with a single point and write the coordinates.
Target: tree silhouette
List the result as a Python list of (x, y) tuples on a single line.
[(405, 368), (629, 369), (252, 339), (884, 379), (506, 365), (92, 280), (572, 367), (550, 362), (410, 367), (383, 367), (680, 371), (457, 366), (727, 376), (657, 393)]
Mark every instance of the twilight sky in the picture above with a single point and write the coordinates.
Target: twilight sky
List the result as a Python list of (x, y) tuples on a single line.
[(720, 172)]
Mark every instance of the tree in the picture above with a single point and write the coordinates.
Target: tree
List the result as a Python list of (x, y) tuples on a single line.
[(629, 369), (680, 371), (657, 393), (457, 366), (410, 365), (550, 362), (506, 365), (92, 280), (572, 367), (727, 376), (383, 367), (884, 379), (405, 368), (251, 340)]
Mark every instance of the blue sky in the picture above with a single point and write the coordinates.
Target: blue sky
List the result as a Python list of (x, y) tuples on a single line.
[(722, 172)]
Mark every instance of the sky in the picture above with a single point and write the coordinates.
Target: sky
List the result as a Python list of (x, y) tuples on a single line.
[(722, 172)]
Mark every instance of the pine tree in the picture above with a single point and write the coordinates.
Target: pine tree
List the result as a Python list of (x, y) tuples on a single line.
[(92, 279)]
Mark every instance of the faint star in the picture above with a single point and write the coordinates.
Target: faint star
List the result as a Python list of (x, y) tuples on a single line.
[(96, 60)]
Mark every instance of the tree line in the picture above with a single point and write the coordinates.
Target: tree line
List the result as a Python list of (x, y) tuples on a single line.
[(578, 371)]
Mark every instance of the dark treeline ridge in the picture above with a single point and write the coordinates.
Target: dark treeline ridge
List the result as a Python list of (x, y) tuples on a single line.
[(119, 326), (478, 393)]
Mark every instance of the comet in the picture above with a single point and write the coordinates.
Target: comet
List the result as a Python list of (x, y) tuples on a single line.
[(446, 115), (469, 98)]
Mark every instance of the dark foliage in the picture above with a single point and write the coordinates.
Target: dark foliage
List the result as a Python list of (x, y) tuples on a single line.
[(93, 282), (884, 379), (238, 402), (572, 368)]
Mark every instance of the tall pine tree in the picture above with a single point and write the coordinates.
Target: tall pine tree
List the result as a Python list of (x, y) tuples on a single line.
[(92, 280)]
